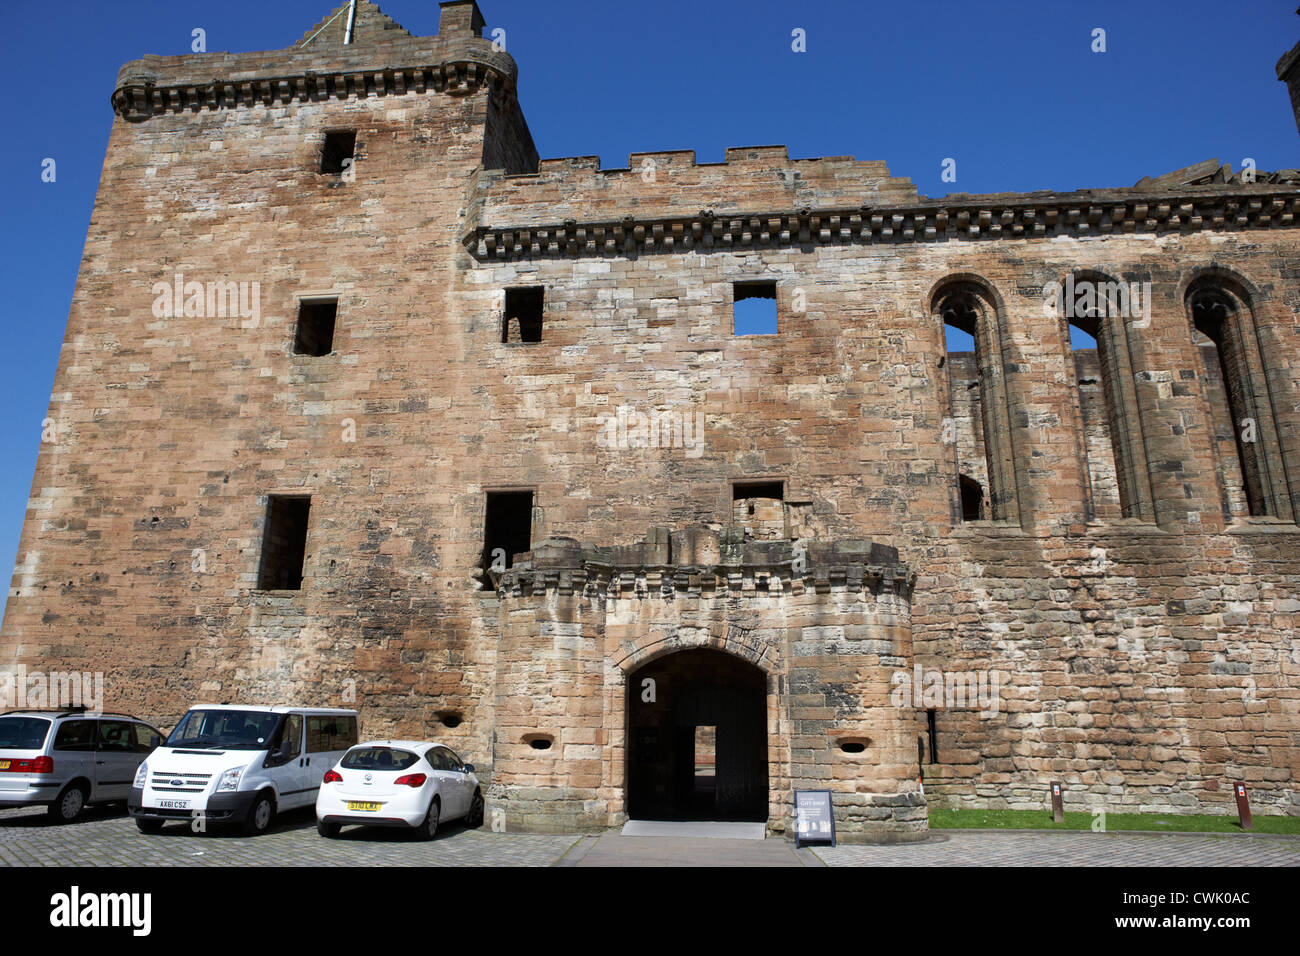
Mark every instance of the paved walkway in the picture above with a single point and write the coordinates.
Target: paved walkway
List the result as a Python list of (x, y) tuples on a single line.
[(614, 849), (1085, 848), (107, 837), (694, 828)]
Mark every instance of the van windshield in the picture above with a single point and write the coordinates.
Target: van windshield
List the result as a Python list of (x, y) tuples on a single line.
[(225, 730), (23, 733)]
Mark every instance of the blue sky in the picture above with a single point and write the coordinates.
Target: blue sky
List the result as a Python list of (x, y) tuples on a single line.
[(1011, 90)]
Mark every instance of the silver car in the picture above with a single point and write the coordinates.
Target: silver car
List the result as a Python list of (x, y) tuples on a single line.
[(66, 760)]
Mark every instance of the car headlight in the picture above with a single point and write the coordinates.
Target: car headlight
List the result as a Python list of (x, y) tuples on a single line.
[(230, 779), (141, 775)]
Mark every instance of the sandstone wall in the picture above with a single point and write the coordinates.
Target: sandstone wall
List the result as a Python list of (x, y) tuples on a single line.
[(1145, 660)]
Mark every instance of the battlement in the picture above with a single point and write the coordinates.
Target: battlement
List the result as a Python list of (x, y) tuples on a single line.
[(671, 183), (700, 560), (383, 59)]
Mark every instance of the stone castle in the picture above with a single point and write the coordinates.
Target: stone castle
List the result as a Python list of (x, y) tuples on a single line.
[(361, 403)]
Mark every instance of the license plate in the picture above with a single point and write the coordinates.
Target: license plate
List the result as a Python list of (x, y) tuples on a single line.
[(4, 764), (173, 804), (366, 807)]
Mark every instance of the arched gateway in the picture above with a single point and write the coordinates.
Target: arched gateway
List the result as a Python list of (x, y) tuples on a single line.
[(697, 739), (703, 676)]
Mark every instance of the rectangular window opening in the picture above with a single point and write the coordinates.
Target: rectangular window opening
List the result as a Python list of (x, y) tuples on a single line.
[(741, 490), (507, 531), (932, 731), (314, 334), (284, 543), (754, 308), (522, 321), (340, 145)]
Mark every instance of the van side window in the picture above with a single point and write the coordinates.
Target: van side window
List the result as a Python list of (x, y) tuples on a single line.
[(292, 735), (320, 734), (325, 734), (76, 735)]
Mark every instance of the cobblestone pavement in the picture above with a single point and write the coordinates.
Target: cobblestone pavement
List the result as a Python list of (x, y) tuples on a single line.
[(108, 837), (613, 849), (1022, 848)]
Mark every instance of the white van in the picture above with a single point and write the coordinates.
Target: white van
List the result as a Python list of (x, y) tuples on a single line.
[(241, 765)]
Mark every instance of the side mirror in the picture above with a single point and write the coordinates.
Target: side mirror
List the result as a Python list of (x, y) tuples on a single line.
[(469, 768)]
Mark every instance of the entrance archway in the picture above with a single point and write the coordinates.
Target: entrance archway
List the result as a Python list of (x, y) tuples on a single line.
[(697, 738)]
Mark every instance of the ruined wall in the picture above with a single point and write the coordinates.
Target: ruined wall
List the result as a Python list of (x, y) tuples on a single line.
[(579, 620), (1144, 661), (1124, 646)]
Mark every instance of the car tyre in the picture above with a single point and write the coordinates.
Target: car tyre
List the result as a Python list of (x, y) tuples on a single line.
[(261, 816), (145, 825), (328, 830), (474, 819), (429, 828), (69, 804)]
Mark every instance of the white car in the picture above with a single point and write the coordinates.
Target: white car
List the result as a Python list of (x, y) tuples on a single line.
[(398, 783)]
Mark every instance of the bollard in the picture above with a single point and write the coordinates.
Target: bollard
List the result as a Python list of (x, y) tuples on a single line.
[(1058, 806), (1243, 805)]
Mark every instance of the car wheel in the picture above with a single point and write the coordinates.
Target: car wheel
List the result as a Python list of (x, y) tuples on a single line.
[(261, 816), (429, 828), (328, 830), (474, 818), (69, 804), (145, 825)]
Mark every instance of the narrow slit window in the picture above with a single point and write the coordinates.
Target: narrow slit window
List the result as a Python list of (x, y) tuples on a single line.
[(932, 731), (522, 321), (972, 499), (754, 308), (507, 530), (314, 333), (339, 151), (284, 543)]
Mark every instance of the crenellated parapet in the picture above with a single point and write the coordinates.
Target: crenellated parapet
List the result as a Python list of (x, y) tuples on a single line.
[(517, 229), (457, 62), (702, 563)]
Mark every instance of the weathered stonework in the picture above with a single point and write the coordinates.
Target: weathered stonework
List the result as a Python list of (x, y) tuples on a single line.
[(1133, 579)]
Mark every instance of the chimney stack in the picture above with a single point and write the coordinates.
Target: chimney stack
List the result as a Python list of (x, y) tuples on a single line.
[(460, 18)]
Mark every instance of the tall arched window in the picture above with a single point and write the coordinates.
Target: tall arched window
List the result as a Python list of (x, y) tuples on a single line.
[(1117, 482), (979, 422), (1240, 413)]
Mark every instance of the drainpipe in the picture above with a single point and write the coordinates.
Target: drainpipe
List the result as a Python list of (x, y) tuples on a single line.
[(352, 20)]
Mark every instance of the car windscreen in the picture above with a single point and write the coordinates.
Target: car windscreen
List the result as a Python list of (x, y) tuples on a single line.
[(378, 758), (23, 733), (225, 730)]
